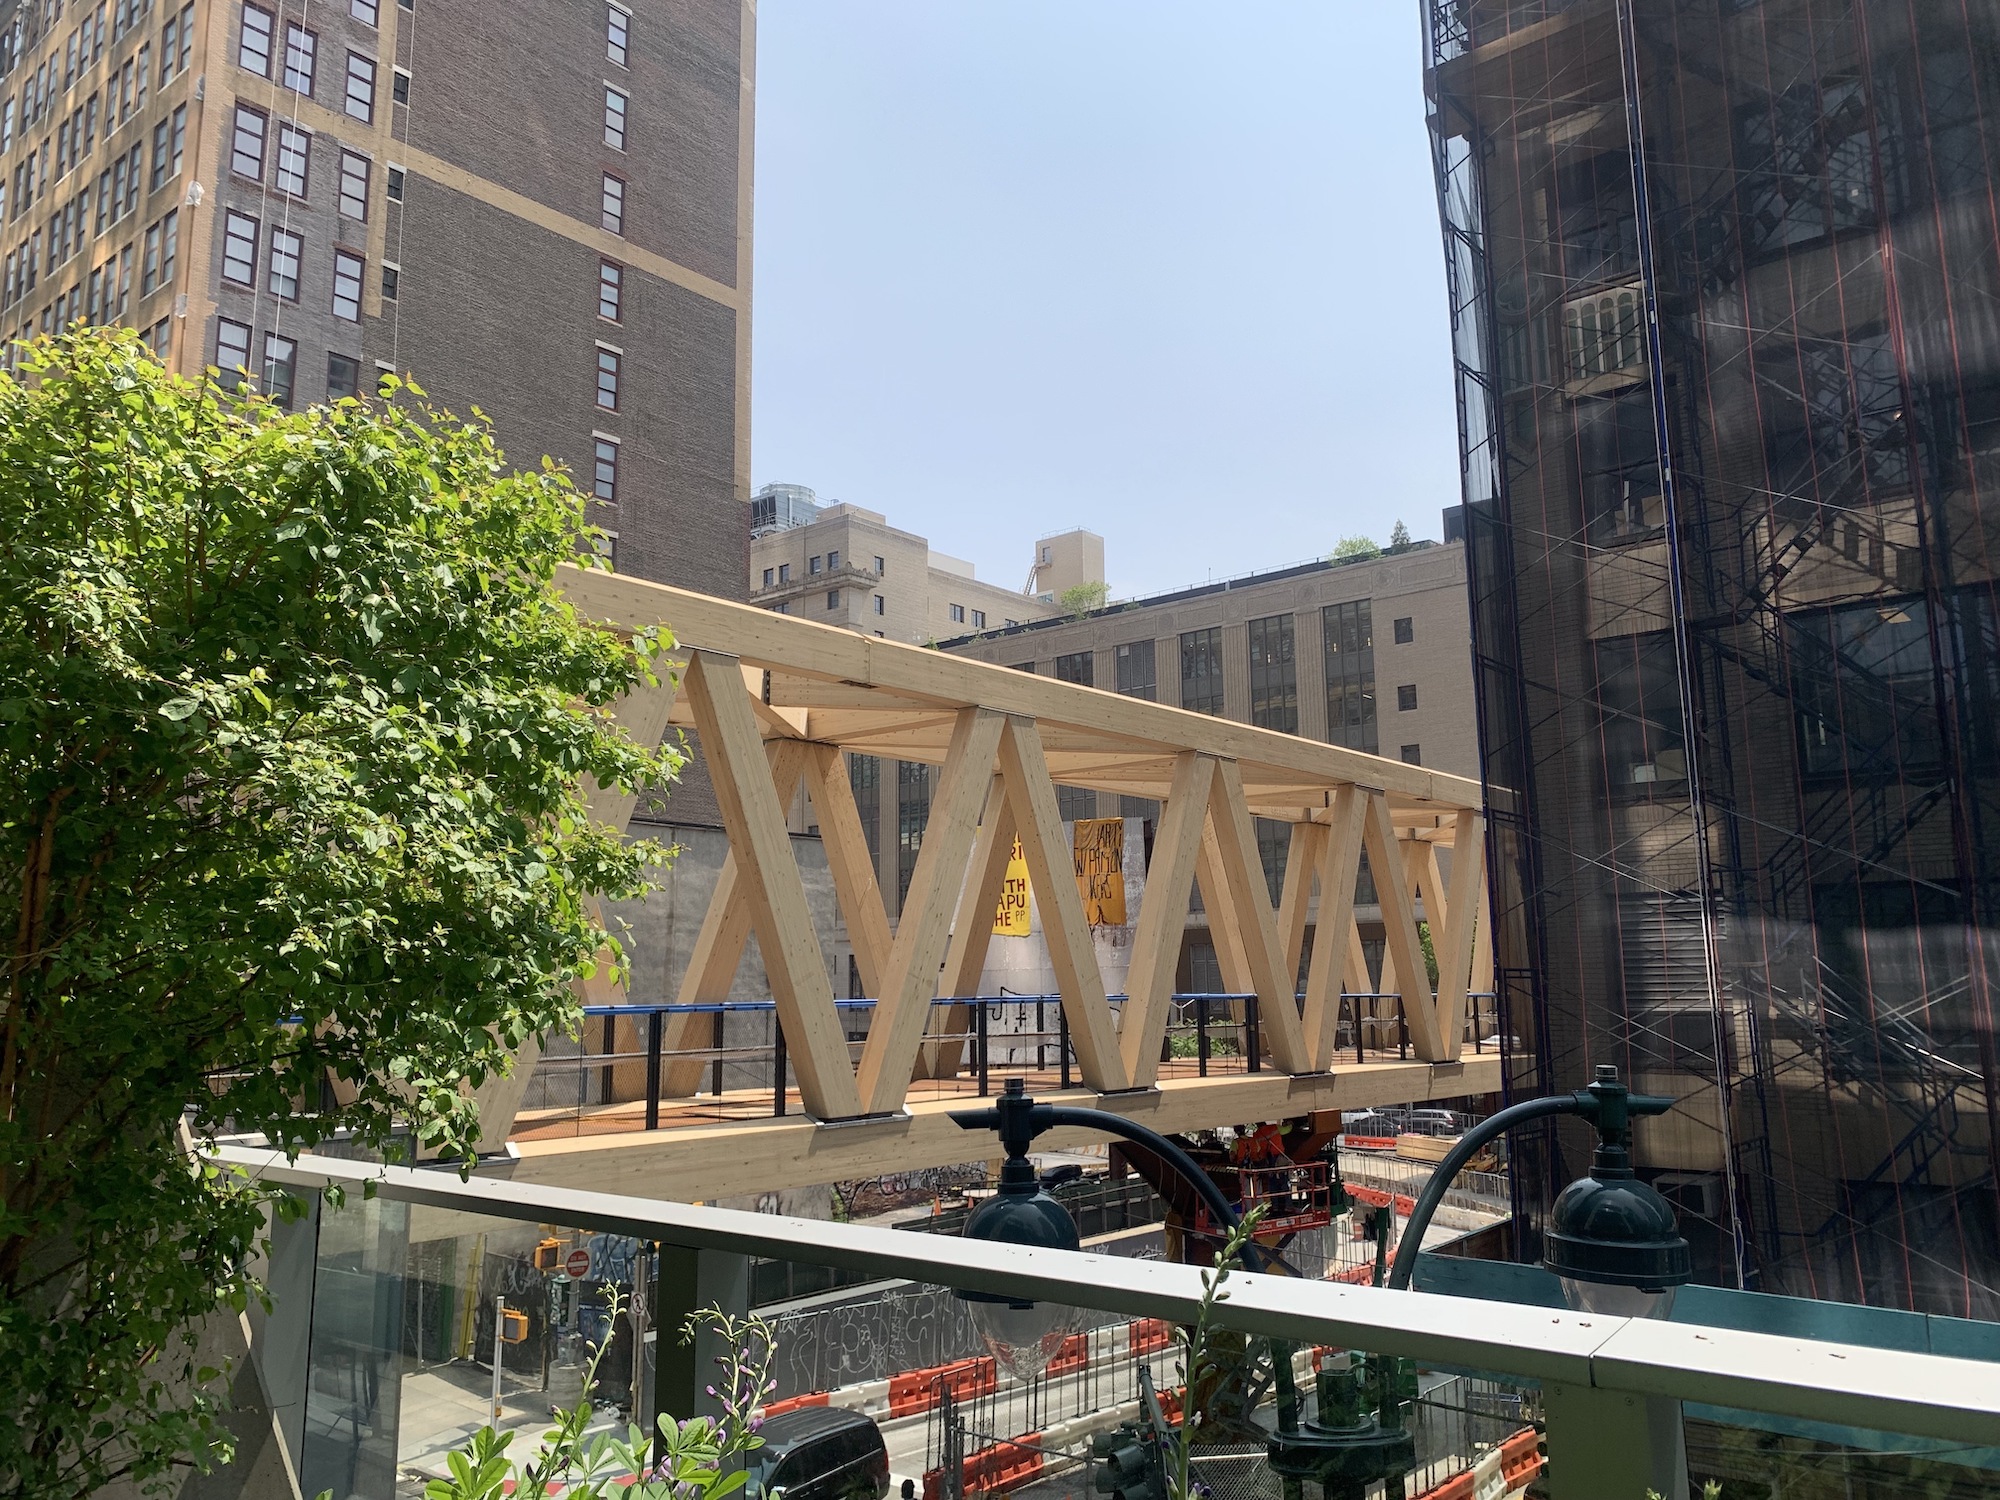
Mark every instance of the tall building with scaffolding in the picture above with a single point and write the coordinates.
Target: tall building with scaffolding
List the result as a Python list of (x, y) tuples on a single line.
[(1725, 298)]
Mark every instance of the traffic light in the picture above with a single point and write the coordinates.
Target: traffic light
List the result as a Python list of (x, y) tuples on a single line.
[(1129, 1463)]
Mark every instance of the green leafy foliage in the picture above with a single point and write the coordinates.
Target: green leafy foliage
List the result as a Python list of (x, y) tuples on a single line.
[(699, 1458), (1078, 600), (1202, 1365), (1349, 548), (294, 721)]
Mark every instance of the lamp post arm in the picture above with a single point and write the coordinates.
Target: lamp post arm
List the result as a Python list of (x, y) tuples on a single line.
[(1188, 1169), (1454, 1161)]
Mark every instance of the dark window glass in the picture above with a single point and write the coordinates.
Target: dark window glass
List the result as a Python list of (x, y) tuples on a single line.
[(913, 815), (343, 376), (1201, 670), (1406, 631), (610, 290), (1863, 686), (1639, 714), (1274, 675), (1078, 666), (1134, 663), (604, 479), (1350, 675), (864, 774), (1406, 697)]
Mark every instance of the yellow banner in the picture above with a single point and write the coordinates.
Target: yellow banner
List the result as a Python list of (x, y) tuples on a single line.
[(1011, 920), (1100, 870)]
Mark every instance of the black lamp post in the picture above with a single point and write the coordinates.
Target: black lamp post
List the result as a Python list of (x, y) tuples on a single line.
[(1358, 1437), (1612, 1240)]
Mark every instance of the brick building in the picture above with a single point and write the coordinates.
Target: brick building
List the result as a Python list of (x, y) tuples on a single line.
[(542, 209)]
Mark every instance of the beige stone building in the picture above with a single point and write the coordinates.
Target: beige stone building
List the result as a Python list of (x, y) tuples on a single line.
[(839, 564), (1374, 653)]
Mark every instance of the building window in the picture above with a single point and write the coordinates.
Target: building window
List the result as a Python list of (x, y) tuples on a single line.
[(1274, 675), (394, 188), (617, 34), (301, 54), (1075, 803), (232, 353), (612, 212), (246, 143), (280, 358), (1350, 675), (392, 279), (864, 775), (1406, 697), (812, 566), (294, 156), (348, 270), (913, 815), (169, 140), (614, 118), (610, 290), (1413, 755), (979, 619), (287, 249), (832, 559), (160, 338), (1866, 701), (343, 377), (957, 612), (364, 11), (1639, 712), (399, 85), (360, 101), (253, 43), (767, 577), (881, 605), (1133, 668), (608, 361), (1406, 630), (354, 171), (1201, 670), (1619, 467), (1274, 852), (784, 572), (881, 567), (604, 479), (1077, 666), (833, 598)]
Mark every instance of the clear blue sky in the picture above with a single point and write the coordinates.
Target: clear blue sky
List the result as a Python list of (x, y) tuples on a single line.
[(1167, 270)]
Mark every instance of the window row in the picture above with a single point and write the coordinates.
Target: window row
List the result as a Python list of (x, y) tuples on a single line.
[(284, 251), (277, 374), (74, 138), (258, 51), (104, 296)]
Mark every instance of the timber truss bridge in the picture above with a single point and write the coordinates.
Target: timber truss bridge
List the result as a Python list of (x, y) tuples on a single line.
[(778, 703)]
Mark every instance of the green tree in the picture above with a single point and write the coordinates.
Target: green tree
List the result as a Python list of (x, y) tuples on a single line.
[(294, 719), (1079, 599), (1399, 536), (1354, 546)]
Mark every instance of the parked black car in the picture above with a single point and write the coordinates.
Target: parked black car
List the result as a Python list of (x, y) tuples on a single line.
[(820, 1453)]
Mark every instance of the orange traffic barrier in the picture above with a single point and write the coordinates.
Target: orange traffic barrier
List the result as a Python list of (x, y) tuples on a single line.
[(793, 1403), (1149, 1334), (1074, 1355), (920, 1390), (1369, 1142), (1521, 1457), (1458, 1487)]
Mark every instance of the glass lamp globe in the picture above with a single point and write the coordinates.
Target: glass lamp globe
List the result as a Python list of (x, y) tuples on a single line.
[(1613, 1243), (1021, 1336)]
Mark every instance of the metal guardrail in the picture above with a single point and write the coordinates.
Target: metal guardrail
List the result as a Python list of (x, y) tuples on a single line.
[(1598, 1374), (1220, 1032)]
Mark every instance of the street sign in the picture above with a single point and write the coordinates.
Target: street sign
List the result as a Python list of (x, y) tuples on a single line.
[(578, 1263)]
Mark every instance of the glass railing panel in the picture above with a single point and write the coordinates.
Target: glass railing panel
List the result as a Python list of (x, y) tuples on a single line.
[(415, 1308)]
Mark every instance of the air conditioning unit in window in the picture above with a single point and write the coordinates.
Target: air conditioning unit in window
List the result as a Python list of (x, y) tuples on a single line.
[(1695, 1195)]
